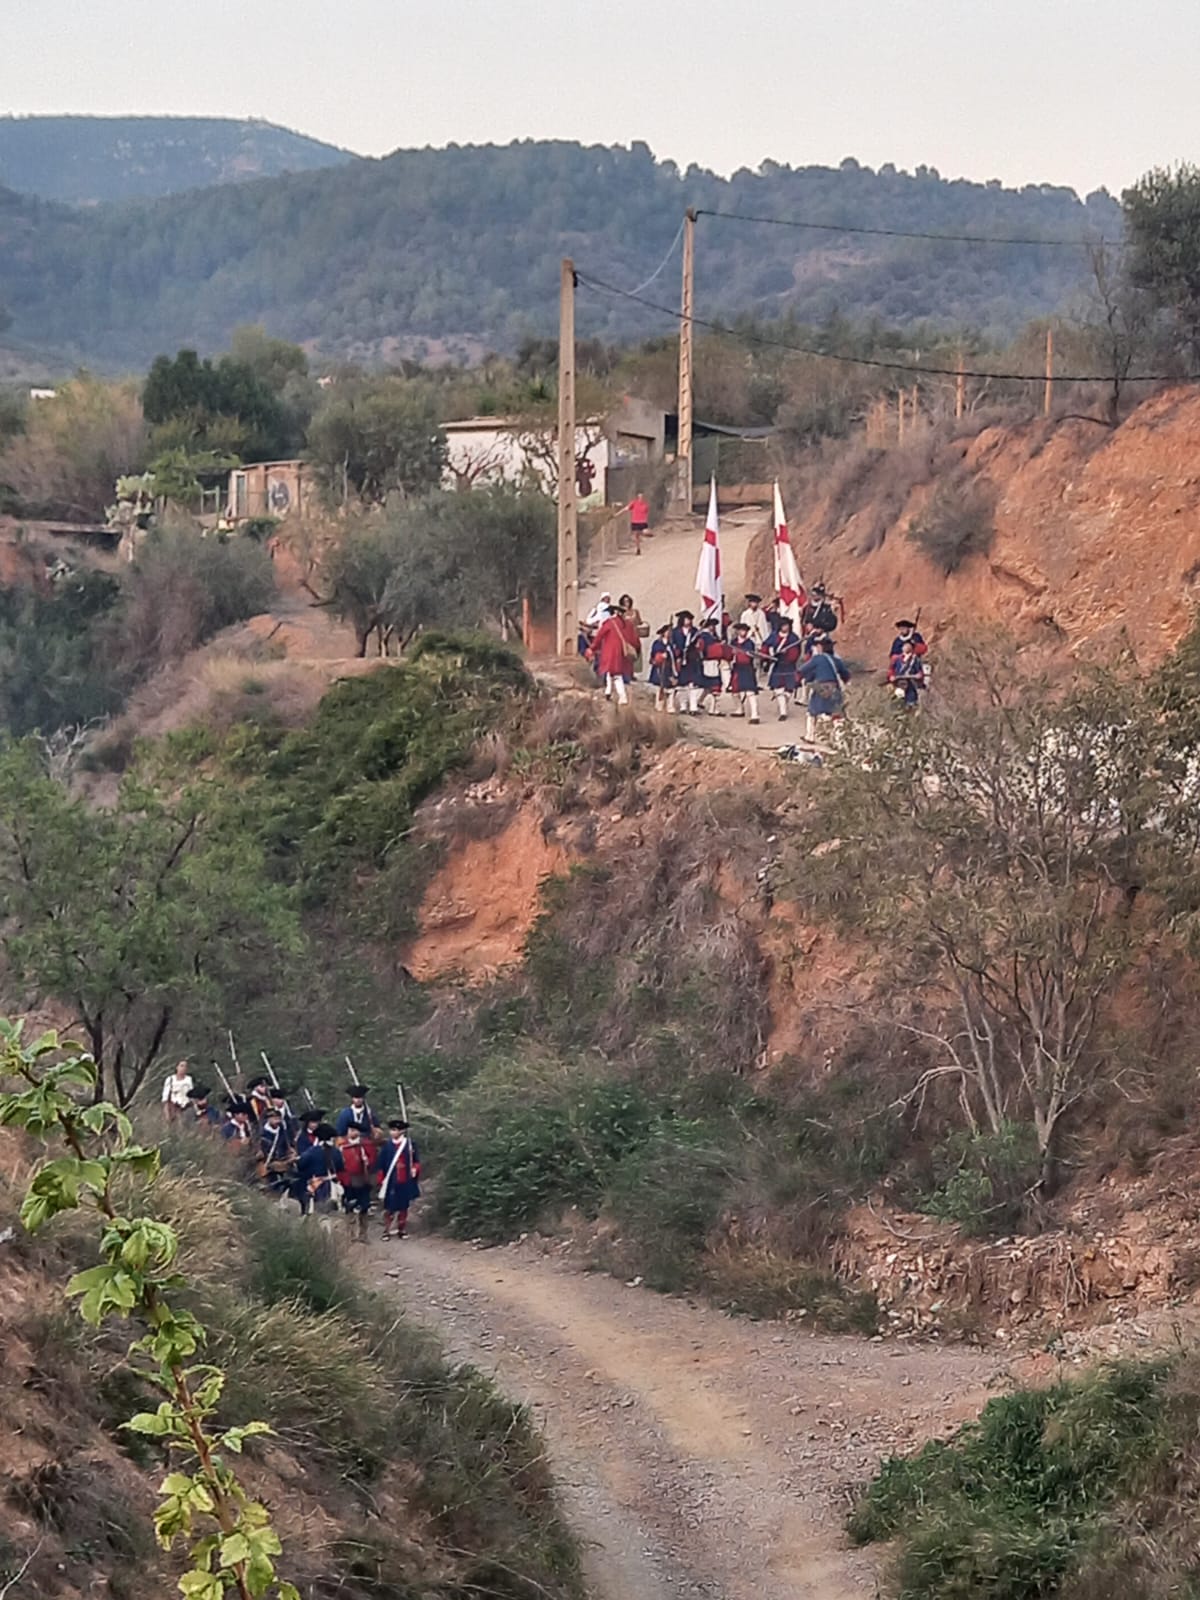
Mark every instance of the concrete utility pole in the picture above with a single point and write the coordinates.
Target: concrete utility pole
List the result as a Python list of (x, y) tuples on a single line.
[(683, 455), (568, 517), (1049, 394)]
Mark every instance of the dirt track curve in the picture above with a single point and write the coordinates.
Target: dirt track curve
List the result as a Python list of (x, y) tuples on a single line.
[(698, 1454)]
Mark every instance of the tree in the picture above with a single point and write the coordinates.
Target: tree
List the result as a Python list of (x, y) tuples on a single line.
[(144, 920), (74, 447), (1162, 227), (378, 440), (1120, 321), (999, 848), (448, 560), (224, 407)]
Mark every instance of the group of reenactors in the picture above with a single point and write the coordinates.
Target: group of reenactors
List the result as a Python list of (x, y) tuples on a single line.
[(304, 1155), (695, 667)]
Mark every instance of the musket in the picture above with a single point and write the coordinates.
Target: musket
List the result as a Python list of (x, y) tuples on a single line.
[(233, 1055), (403, 1106), (308, 1096), (266, 1061), (354, 1077), (224, 1080)]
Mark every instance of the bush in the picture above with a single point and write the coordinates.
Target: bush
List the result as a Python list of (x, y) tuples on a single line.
[(1009, 1507), (181, 590), (985, 1179), (534, 1155), (959, 522)]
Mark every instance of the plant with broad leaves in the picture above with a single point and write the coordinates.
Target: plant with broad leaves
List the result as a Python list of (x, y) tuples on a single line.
[(228, 1538)]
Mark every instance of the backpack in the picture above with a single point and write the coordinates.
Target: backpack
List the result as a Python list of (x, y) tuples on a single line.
[(824, 617)]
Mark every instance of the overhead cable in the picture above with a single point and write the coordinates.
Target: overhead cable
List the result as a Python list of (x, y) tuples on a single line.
[(765, 340), (903, 233)]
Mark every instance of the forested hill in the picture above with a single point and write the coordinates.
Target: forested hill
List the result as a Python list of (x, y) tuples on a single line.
[(86, 160), (462, 246)]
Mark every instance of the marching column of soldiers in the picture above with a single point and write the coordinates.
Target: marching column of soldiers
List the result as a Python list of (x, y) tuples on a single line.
[(695, 668), (354, 1161)]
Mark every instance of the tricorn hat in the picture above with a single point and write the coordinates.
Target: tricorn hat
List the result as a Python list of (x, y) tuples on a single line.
[(397, 1122), (258, 1083), (278, 1092), (754, 599), (198, 1093), (680, 615), (238, 1107), (313, 1114), (904, 622), (324, 1131), (357, 1091)]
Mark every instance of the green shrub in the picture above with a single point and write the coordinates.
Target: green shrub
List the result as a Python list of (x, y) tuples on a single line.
[(1007, 1508), (958, 522), (538, 1154), (984, 1179)]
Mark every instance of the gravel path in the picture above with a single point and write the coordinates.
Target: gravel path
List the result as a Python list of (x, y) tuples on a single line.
[(698, 1454)]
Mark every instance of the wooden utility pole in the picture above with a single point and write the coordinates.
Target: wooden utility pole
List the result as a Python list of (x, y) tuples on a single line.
[(683, 454), (899, 415), (1046, 398), (960, 390), (568, 518)]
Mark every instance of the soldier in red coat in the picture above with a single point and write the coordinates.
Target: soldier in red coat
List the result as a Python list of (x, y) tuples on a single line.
[(613, 650)]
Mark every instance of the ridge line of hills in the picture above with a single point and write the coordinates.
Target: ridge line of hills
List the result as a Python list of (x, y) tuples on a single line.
[(445, 253)]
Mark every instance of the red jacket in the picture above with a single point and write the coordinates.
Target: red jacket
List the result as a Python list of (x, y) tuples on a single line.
[(609, 646), (358, 1161)]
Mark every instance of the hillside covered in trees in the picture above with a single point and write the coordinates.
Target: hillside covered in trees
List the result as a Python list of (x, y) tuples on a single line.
[(89, 160), (428, 252)]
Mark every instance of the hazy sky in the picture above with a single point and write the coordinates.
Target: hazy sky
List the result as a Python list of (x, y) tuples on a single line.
[(1082, 92)]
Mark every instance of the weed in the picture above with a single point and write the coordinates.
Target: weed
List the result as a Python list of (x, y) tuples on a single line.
[(959, 522)]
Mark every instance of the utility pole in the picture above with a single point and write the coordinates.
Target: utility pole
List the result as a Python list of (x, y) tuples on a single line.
[(1046, 398), (899, 416), (960, 390), (568, 520), (683, 454)]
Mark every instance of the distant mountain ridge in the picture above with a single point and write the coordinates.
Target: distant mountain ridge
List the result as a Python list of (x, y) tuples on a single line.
[(452, 251), (86, 160)]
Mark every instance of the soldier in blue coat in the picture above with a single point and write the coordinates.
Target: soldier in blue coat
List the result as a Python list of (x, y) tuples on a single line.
[(202, 1115), (689, 661), (782, 650), (743, 678), (277, 1152), (662, 670), (399, 1166), (316, 1170), (308, 1124), (357, 1112)]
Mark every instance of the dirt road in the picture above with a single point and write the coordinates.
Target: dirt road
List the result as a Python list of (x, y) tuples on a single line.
[(698, 1454)]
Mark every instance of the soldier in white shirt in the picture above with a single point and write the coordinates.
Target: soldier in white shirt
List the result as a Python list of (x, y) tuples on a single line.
[(176, 1092), (755, 619)]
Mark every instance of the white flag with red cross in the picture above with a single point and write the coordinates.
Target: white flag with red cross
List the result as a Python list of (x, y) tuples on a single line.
[(788, 586), (708, 573)]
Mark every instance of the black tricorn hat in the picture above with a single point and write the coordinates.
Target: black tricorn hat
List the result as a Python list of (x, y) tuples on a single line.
[(237, 1106), (905, 622), (324, 1131), (357, 1091), (198, 1093), (278, 1092), (313, 1114), (754, 599), (397, 1122), (690, 615), (258, 1083)]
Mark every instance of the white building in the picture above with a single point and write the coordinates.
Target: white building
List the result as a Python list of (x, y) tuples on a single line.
[(504, 450)]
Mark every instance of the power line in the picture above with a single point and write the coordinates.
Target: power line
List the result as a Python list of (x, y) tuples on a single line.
[(665, 259), (750, 337), (902, 233)]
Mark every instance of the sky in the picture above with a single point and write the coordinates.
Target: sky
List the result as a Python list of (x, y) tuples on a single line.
[(1086, 93)]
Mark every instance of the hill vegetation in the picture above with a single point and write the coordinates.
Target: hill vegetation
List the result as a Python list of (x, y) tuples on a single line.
[(457, 250), (91, 160)]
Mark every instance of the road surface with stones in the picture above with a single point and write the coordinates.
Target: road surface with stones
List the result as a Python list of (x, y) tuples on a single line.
[(697, 1454)]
